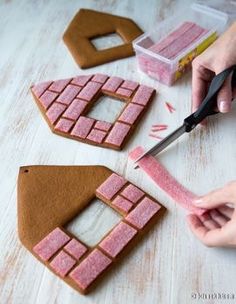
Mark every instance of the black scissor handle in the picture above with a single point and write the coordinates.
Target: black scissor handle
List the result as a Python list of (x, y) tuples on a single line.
[(207, 106)]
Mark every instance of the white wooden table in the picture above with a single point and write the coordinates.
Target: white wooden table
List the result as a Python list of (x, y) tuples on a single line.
[(170, 264)]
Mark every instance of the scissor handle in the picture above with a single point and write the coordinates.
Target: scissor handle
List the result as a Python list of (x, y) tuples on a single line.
[(207, 106)]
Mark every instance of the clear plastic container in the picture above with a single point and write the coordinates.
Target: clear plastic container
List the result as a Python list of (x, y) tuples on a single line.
[(166, 53)]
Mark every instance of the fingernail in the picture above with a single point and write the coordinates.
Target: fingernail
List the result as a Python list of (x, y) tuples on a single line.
[(224, 106), (198, 201)]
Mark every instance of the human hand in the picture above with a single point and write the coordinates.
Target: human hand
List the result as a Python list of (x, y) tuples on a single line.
[(216, 228), (219, 56)]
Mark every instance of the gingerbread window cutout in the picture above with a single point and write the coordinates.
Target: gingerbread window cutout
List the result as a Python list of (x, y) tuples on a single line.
[(78, 264), (89, 24), (66, 103)]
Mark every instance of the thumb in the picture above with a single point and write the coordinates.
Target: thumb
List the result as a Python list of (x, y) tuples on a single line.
[(224, 97)]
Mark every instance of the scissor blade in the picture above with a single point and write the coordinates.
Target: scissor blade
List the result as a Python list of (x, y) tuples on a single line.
[(163, 144)]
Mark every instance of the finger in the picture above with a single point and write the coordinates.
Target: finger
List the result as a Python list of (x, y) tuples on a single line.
[(219, 218), (226, 211), (208, 222), (224, 97)]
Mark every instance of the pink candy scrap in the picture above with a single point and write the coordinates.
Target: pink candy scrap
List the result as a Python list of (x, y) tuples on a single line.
[(59, 85), (75, 248), (112, 84), (55, 111), (47, 99), (129, 84), (96, 135), (117, 239), (81, 80), (117, 134), (68, 94), (169, 107), (90, 268), (166, 182), (39, 89), (89, 91), (132, 193), (131, 113), (124, 92), (103, 125), (101, 78), (143, 95), (156, 128), (111, 186), (122, 204), (155, 136), (143, 213), (62, 263), (75, 109), (48, 246), (82, 127), (64, 125)]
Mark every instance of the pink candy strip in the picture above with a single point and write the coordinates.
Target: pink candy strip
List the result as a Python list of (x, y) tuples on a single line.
[(170, 108), (155, 136), (166, 182)]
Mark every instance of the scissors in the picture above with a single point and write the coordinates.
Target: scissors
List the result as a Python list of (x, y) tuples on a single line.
[(206, 108)]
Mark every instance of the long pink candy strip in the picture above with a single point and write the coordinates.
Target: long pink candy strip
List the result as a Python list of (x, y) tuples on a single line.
[(156, 129), (166, 182)]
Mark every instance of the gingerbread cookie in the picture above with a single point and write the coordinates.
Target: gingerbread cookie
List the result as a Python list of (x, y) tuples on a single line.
[(49, 197), (65, 104), (88, 24)]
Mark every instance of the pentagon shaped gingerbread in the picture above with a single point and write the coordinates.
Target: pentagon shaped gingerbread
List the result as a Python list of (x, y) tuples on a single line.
[(65, 104), (49, 197)]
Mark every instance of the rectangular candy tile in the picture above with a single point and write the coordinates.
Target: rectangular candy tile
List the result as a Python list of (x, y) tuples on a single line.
[(75, 109), (142, 214), (64, 125), (111, 186), (124, 92), (69, 94), (117, 239), (117, 134), (100, 78), (81, 80), (47, 99), (48, 246), (40, 88), (129, 84), (96, 135), (90, 268), (75, 248), (62, 263), (103, 125), (132, 193), (82, 127), (89, 91), (112, 84), (131, 113), (122, 204), (59, 85), (143, 94), (55, 111)]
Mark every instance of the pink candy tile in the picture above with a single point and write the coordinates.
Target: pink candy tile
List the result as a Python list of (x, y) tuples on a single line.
[(130, 85), (112, 84), (122, 204), (100, 78), (142, 214), (82, 127), (89, 91), (117, 239), (69, 94), (124, 92), (81, 80), (48, 246), (75, 109), (38, 89), (117, 134), (62, 263), (131, 113), (55, 111), (64, 125), (132, 193), (59, 85), (96, 135), (75, 248), (143, 94), (111, 186), (90, 268), (103, 125), (47, 99)]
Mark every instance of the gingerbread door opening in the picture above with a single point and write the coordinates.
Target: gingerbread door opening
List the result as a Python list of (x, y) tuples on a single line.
[(107, 41)]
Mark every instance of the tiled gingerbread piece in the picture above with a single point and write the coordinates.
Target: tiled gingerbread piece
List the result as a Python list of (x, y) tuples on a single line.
[(65, 104), (42, 222)]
